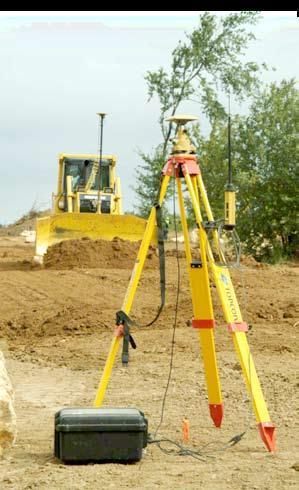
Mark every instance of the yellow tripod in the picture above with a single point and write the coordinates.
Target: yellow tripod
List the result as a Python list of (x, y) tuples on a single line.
[(182, 163)]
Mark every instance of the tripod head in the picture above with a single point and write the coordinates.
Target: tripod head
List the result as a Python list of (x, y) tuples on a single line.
[(181, 141)]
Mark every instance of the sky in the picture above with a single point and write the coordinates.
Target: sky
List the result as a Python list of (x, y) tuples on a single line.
[(60, 68)]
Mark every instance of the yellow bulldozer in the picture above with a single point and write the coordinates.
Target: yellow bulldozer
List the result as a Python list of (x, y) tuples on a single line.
[(88, 203)]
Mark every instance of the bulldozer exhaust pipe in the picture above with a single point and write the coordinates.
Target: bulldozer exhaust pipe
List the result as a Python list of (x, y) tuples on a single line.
[(101, 117), (69, 184)]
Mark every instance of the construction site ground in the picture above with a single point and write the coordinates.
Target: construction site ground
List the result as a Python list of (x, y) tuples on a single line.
[(56, 325)]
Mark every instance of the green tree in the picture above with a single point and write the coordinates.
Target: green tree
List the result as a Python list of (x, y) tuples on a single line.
[(265, 168), (208, 61), (267, 155), (148, 177), (213, 161)]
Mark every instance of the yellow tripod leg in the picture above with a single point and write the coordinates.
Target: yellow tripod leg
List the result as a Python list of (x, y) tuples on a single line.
[(238, 328), (202, 305), (184, 222), (129, 297), (107, 371)]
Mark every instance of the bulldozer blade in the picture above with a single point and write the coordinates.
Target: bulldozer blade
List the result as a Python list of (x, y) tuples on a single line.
[(69, 226)]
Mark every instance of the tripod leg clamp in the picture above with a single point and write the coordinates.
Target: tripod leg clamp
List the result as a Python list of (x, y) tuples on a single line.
[(237, 327), (128, 339), (124, 322), (209, 323)]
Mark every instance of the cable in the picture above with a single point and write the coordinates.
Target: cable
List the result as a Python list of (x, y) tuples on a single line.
[(237, 247), (176, 309), (201, 453), (180, 449)]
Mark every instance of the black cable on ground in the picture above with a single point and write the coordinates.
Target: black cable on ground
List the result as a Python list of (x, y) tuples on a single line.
[(175, 310), (201, 453)]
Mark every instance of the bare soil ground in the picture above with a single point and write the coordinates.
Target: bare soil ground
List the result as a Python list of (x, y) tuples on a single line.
[(55, 330)]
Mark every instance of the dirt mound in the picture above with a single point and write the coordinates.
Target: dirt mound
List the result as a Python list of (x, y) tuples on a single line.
[(115, 254)]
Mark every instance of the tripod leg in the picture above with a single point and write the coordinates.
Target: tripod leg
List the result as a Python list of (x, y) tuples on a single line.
[(130, 293), (184, 223), (203, 312), (238, 328)]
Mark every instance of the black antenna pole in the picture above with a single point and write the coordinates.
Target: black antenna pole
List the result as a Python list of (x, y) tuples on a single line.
[(229, 189), (100, 150), (230, 170)]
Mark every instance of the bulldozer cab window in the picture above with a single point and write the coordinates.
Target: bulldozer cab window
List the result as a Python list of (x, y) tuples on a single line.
[(73, 169), (80, 171), (104, 174)]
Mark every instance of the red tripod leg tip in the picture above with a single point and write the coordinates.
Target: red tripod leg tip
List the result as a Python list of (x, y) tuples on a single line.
[(216, 412), (267, 433)]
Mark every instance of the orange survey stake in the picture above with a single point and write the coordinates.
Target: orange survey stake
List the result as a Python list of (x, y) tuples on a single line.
[(186, 430)]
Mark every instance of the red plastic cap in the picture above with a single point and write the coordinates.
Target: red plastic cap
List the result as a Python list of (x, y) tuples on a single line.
[(119, 330), (216, 412), (267, 433)]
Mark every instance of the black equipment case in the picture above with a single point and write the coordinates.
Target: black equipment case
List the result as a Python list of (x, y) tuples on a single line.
[(100, 434)]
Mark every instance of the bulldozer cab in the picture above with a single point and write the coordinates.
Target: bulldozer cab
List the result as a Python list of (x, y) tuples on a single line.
[(81, 170), (87, 186)]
